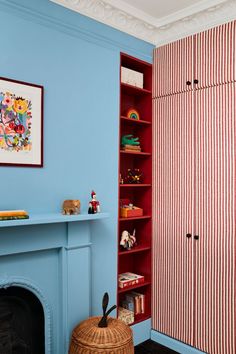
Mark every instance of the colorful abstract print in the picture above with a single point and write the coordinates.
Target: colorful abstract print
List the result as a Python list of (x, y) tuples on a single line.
[(15, 123)]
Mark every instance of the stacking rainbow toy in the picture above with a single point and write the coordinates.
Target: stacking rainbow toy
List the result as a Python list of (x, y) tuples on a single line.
[(133, 114)]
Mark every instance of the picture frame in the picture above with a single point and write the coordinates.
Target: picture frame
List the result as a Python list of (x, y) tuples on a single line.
[(21, 123)]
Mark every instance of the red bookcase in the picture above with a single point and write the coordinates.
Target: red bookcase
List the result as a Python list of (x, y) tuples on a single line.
[(137, 259)]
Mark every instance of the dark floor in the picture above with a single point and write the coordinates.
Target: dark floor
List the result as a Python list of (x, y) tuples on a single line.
[(150, 347)]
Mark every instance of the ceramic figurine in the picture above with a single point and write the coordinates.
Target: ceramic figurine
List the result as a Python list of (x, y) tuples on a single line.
[(71, 207), (127, 240), (94, 205)]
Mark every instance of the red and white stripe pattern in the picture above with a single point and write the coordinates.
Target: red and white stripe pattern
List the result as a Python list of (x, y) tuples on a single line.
[(214, 252), (173, 217), (194, 192), (173, 67), (209, 57), (215, 52)]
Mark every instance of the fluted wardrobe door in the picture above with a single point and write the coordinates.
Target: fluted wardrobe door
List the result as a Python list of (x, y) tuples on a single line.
[(215, 55), (173, 217), (173, 67), (214, 309)]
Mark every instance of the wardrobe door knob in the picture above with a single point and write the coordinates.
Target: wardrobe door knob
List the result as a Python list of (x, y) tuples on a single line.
[(188, 83), (195, 81), (196, 237), (188, 235)]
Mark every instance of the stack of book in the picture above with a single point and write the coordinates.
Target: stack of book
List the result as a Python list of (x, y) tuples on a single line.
[(135, 148), (129, 279), (134, 302), (13, 215)]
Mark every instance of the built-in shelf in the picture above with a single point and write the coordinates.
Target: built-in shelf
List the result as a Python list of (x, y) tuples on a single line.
[(136, 249), (52, 218), (135, 121), (131, 185), (140, 318), (136, 286), (135, 153), (136, 218), (133, 90), (138, 259)]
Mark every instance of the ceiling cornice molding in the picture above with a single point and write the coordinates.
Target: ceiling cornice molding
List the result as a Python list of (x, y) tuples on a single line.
[(198, 22), (108, 14), (193, 19), (188, 11)]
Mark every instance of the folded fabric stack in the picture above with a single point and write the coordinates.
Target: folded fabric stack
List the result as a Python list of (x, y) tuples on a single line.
[(13, 215)]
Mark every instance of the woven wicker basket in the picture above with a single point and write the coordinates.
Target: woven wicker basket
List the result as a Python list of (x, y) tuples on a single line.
[(88, 338)]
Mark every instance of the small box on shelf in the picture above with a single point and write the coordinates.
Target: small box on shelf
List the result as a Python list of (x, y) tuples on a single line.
[(128, 210), (131, 77), (128, 279), (125, 315)]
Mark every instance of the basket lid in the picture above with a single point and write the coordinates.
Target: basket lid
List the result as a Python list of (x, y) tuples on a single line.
[(116, 334)]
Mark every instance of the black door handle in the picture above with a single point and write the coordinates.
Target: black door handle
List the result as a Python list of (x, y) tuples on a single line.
[(196, 237), (195, 81), (188, 83), (188, 235)]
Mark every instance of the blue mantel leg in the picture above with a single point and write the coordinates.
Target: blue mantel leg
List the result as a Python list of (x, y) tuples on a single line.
[(76, 276)]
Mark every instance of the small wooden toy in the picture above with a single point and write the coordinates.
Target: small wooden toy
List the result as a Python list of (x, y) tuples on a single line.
[(71, 207), (94, 205)]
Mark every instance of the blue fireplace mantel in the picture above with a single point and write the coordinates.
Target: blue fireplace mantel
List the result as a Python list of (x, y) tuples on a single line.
[(52, 218), (52, 255)]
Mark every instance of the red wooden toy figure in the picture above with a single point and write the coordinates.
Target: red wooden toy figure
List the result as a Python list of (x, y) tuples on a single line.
[(94, 205)]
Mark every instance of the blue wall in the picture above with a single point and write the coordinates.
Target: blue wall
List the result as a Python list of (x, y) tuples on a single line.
[(76, 59)]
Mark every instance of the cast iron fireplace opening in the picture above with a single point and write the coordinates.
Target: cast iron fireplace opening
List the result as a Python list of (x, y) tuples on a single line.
[(21, 322)]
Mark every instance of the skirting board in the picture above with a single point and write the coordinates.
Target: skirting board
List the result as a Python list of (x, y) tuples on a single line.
[(173, 344), (141, 331)]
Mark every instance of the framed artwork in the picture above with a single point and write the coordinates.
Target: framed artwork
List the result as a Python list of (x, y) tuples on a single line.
[(21, 123)]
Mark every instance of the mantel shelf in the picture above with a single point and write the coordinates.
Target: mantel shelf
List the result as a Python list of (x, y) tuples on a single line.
[(53, 218)]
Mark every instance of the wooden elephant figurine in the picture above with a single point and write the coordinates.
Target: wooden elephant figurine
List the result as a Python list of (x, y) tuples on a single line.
[(71, 207)]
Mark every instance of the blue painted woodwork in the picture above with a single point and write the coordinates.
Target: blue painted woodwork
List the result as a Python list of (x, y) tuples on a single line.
[(53, 261), (174, 344), (141, 331), (52, 218), (76, 59)]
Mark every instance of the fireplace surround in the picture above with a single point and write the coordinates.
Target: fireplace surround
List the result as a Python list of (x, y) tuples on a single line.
[(45, 271), (21, 322)]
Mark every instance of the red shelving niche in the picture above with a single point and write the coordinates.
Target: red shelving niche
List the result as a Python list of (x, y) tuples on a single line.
[(138, 259)]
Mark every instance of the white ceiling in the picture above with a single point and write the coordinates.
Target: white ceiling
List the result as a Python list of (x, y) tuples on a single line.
[(156, 21), (160, 8)]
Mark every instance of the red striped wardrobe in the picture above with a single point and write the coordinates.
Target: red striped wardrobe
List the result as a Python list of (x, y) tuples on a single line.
[(194, 241)]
